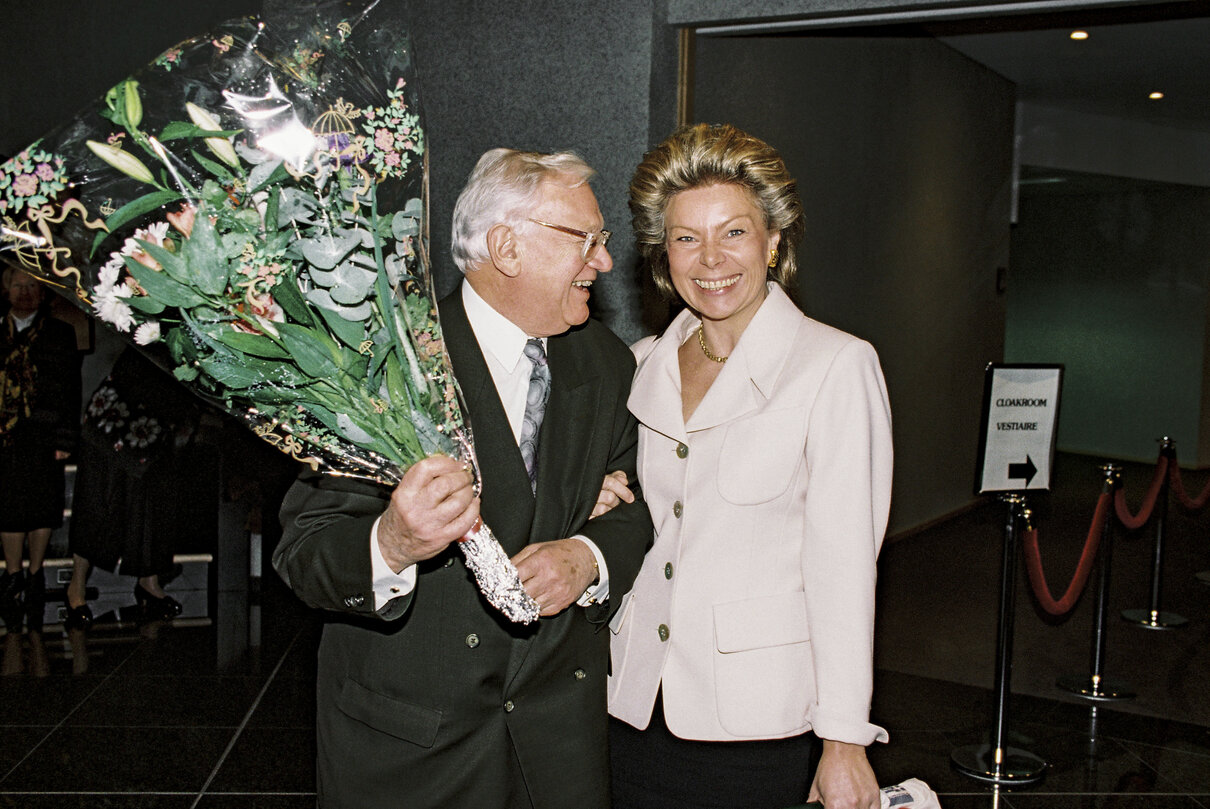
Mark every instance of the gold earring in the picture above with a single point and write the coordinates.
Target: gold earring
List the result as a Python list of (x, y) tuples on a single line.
[(773, 258)]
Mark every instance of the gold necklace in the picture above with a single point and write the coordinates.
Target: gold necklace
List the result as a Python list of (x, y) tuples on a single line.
[(701, 340)]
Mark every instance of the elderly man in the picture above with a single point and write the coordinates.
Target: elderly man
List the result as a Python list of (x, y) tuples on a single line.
[(427, 697)]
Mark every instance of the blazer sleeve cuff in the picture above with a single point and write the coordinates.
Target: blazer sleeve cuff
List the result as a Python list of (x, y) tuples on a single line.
[(840, 729)]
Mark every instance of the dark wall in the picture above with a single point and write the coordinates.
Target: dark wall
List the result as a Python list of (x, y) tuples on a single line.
[(903, 153), (543, 75), (61, 55), (1110, 277)]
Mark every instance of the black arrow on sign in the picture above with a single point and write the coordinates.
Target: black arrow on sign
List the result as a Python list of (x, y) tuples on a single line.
[(1025, 470)]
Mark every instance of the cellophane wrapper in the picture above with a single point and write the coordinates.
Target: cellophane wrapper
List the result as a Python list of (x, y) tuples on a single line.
[(250, 209)]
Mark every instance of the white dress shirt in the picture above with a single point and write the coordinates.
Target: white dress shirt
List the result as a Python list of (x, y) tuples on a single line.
[(502, 344)]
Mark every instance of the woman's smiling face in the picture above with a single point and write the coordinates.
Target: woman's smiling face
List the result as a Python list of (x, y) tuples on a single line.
[(718, 251)]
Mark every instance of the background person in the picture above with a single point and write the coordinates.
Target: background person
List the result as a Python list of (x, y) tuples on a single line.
[(765, 457), (428, 697), (39, 426)]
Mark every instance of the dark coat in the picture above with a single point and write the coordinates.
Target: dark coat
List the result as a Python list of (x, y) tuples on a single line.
[(439, 701)]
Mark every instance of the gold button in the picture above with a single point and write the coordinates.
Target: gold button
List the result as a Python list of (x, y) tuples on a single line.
[(663, 630), (677, 508), (581, 674), (472, 640), (668, 570), (682, 451), (508, 706)]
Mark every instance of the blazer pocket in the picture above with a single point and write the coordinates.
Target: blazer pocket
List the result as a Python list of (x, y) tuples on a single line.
[(763, 669), (760, 454), (619, 617), (402, 720)]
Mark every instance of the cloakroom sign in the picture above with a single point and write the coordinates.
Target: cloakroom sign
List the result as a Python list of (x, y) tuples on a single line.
[(1020, 416)]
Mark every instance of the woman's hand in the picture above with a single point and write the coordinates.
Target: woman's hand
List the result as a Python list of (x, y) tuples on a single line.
[(844, 778), (613, 491)]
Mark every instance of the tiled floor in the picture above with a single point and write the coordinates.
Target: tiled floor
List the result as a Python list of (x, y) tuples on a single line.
[(218, 712)]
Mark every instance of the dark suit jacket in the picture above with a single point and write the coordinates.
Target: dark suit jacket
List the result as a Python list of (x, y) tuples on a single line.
[(439, 701)]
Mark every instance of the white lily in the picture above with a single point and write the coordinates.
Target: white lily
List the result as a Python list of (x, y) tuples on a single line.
[(220, 146)]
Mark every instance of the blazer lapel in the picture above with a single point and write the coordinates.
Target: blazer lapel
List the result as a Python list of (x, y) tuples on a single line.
[(745, 382)]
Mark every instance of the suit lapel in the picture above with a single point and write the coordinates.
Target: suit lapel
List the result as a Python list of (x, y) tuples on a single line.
[(508, 503), (567, 429)]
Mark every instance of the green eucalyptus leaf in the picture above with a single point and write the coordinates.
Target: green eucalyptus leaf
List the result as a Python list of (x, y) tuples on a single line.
[(264, 174), (326, 251)]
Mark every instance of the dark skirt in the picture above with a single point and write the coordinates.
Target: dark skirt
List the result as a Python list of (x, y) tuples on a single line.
[(652, 769), (31, 488)]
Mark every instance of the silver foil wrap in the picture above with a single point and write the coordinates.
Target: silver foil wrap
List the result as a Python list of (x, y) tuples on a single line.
[(496, 576)]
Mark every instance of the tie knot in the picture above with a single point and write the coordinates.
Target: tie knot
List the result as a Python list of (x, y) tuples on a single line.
[(535, 352)]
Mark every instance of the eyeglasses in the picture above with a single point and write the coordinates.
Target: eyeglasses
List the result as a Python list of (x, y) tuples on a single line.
[(592, 241)]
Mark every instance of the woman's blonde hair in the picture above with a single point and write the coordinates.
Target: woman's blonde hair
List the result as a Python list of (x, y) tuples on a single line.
[(709, 154)]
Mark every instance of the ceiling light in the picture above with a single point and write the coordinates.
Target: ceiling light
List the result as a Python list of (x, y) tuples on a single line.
[(1079, 35), (1155, 96)]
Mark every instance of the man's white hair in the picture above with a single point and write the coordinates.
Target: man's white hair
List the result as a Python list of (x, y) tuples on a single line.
[(502, 190)]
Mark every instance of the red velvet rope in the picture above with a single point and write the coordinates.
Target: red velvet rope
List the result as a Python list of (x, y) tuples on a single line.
[(1134, 522), (1033, 563), (1178, 488)]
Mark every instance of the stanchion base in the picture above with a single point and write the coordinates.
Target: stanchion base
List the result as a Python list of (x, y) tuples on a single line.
[(1016, 766), (1203, 576), (1149, 619), (1102, 691)]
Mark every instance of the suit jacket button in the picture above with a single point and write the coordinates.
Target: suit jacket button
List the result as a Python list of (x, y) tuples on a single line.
[(677, 508), (508, 706), (682, 451), (668, 570), (472, 640), (581, 674), (663, 630)]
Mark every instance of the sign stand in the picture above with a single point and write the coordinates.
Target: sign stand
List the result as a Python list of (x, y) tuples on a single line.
[(1016, 454), (994, 762)]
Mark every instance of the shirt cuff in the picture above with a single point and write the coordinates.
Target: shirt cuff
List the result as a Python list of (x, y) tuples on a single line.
[(596, 593), (388, 585)]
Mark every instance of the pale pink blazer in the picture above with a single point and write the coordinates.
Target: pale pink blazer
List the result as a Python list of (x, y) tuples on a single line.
[(755, 606)]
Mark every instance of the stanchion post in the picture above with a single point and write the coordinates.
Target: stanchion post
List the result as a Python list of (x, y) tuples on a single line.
[(1154, 617), (996, 762), (1095, 686)]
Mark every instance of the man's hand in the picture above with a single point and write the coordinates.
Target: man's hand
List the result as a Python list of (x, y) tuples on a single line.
[(613, 491), (844, 779), (433, 505), (556, 574)]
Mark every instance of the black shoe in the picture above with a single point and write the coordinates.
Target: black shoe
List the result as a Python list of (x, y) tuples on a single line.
[(155, 608), (77, 617), (12, 585)]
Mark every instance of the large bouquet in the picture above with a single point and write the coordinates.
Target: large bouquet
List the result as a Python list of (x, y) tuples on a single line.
[(250, 209)]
